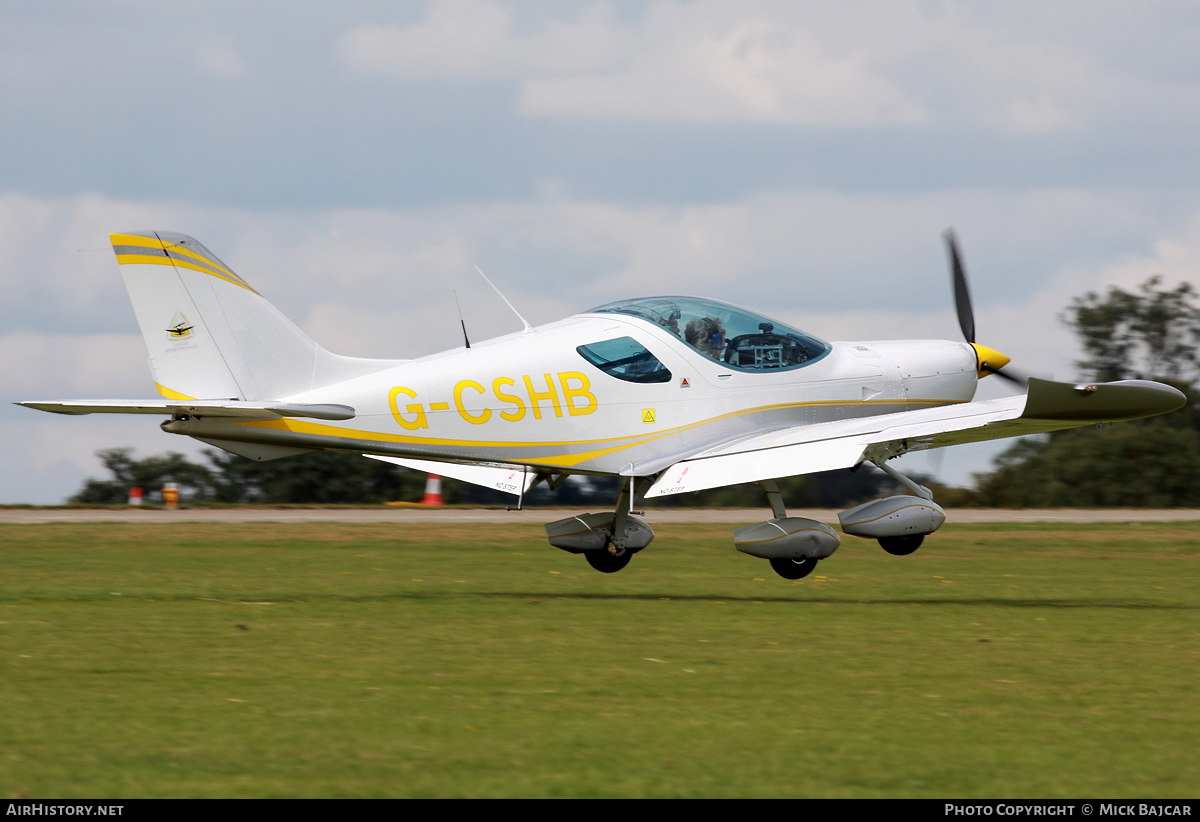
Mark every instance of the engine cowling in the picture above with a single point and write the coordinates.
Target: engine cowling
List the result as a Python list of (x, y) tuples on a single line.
[(787, 538), (592, 532), (900, 516)]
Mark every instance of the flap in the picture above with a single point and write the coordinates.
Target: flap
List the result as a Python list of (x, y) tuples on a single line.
[(504, 478)]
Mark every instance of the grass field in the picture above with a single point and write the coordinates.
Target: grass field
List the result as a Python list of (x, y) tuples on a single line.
[(356, 660)]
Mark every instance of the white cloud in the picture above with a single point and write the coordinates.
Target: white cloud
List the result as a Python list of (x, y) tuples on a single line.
[(475, 38), (831, 64), (756, 71), (93, 365), (217, 57), (679, 64), (1175, 258), (1026, 115)]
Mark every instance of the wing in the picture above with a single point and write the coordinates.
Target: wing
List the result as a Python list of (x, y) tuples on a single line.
[(197, 408), (1049, 406)]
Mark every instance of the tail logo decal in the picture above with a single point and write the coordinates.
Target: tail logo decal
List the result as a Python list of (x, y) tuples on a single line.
[(180, 328)]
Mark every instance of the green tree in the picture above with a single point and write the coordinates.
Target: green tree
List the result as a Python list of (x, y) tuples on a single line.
[(323, 477), (1151, 465), (1150, 333), (319, 477), (149, 474), (332, 477)]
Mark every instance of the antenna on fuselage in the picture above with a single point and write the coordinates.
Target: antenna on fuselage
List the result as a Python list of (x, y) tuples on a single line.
[(461, 321), (528, 328)]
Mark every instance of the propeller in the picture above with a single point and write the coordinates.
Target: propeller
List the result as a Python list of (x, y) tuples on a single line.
[(990, 361)]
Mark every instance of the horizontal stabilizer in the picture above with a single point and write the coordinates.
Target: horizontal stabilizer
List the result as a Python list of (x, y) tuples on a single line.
[(497, 477), (198, 408)]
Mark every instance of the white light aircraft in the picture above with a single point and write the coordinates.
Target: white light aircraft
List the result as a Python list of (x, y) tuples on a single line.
[(673, 394)]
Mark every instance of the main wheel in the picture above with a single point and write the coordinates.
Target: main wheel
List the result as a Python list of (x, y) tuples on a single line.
[(606, 562), (794, 568), (901, 546)]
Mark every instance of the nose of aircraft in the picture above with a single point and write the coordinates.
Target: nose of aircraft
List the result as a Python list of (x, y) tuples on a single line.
[(988, 360)]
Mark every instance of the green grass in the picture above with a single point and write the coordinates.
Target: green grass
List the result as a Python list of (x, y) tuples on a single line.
[(366, 660)]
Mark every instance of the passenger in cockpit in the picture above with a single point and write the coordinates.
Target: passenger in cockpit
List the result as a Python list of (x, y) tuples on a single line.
[(706, 334)]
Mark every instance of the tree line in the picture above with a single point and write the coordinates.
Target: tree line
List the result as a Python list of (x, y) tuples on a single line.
[(1148, 333), (1151, 333), (329, 477)]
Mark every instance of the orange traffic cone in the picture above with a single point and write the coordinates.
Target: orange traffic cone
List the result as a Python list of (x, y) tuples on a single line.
[(433, 490)]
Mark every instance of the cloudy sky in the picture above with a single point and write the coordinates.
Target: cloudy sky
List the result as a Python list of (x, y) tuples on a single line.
[(353, 160)]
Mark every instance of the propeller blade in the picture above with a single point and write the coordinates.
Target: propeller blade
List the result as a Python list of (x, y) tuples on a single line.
[(1012, 376), (962, 294)]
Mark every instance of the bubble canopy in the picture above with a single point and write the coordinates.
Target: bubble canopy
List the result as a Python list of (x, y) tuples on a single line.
[(741, 339)]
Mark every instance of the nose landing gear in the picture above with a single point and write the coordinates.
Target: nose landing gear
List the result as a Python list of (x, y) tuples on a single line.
[(607, 562), (794, 568), (607, 541)]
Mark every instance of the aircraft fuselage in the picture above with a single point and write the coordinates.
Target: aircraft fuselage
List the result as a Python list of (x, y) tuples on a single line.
[(532, 399)]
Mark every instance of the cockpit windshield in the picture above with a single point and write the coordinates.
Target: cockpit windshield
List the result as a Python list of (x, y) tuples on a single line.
[(741, 339)]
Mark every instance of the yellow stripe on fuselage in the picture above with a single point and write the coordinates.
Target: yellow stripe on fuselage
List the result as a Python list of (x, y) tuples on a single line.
[(320, 429), (568, 460)]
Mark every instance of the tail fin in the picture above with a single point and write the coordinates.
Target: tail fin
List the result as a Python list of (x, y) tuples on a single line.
[(210, 335)]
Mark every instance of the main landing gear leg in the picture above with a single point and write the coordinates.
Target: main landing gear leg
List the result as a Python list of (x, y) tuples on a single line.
[(774, 498), (901, 522), (902, 546)]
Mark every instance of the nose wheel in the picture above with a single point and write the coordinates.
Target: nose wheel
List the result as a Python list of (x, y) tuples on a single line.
[(901, 546), (606, 562), (793, 568)]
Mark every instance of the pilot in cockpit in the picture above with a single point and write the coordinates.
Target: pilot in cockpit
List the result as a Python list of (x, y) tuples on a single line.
[(671, 321), (706, 334)]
